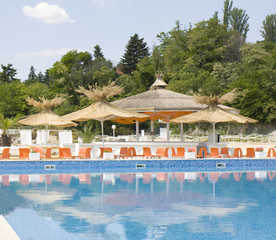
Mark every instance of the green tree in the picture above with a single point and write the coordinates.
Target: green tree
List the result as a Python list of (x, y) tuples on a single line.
[(227, 12), (32, 78), (8, 74), (239, 22), (98, 52), (13, 99), (269, 28), (135, 51)]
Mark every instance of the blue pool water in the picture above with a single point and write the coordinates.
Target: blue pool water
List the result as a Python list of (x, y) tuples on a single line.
[(141, 205)]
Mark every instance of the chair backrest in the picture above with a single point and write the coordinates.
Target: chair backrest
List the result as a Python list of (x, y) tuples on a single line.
[(250, 152), (271, 152), (224, 150), (123, 151), (6, 153), (105, 149), (24, 152), (131, 152), (202, 152), (214, 152), (146, 152), (172, 151), (48, 153), (65, 153), (160, 152), (180, 152), (85, 153), (237, 153)]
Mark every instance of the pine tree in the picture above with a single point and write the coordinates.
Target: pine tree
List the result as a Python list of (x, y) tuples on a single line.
[(135, 51), (98, 52), (8, 74), (269, 28)]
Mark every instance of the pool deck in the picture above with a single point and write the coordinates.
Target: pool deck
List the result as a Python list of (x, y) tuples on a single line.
[(6, 231)]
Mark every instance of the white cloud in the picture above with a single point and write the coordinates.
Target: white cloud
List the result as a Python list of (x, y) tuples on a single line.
[(48, 13), (43, 53)]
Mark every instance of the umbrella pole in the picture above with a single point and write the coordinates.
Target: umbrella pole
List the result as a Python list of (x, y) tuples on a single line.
[(181, 132), (137, 131), (168, 131), (102, 132), (152, 130), (214, 133)]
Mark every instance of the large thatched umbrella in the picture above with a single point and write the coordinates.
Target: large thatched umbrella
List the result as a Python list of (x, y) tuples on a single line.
[(161, 103), (46, 116), (101, 109), (213, 113)]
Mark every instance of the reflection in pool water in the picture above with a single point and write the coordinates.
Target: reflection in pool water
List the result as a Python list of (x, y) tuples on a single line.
[(213, 205)]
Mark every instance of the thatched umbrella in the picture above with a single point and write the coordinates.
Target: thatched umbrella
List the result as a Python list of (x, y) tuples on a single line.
[(161, 103), (213, 112), (101, 109), (46, 116)]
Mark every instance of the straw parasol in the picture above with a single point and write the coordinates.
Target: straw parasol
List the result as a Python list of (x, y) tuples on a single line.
[(101, 109), (161, 103), (213, 113), (46, 116)]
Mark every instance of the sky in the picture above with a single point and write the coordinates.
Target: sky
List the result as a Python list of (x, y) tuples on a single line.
[(38, 33)]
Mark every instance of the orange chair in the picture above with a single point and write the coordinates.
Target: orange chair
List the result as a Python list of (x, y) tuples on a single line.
[(160, 152), (48, 154), (131, 152), (250, 152), (271, 152), (180, 152), (237, 153), (202, 153), (147, 152), (5, 153), (123, 152), (167, 152), (105, 149), (84, 153), (224, 151), (214, 153), (24, 153), (65, 153)]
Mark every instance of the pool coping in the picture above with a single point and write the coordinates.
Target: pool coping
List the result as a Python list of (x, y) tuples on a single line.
[(136, 165), (7, 232)]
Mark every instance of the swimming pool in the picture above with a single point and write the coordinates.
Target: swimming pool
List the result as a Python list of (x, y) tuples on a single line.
[(219, 204)]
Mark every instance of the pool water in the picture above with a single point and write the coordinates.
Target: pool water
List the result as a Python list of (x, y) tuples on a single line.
[(211, 205)]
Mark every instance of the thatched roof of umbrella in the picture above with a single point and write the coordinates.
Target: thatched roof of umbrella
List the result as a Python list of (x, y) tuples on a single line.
[(101, 109), (46, 116), (161, 103), (213, 112)]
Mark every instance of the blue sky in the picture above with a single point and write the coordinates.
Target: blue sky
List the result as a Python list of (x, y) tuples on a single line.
[(37, 33)]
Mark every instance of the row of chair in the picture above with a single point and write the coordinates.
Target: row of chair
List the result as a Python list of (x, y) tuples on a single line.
[(180, 152), (224, 152), (63, 153), (126, 152)]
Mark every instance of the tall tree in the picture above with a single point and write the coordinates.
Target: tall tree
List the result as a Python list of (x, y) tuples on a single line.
[(98, 52), (239, 22), (269, 28), (227, 11), (135, 51), (8, 74), (32, 78)]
